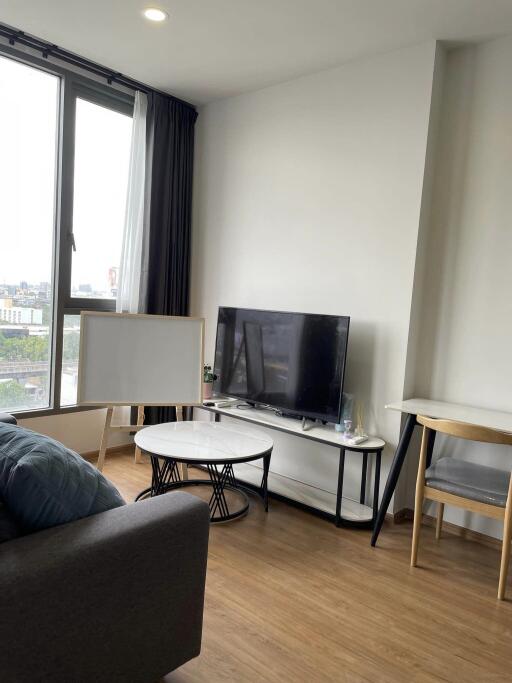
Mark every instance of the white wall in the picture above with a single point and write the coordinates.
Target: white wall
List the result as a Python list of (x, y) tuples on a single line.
[(466, 332), (307, 197), (80, 431)]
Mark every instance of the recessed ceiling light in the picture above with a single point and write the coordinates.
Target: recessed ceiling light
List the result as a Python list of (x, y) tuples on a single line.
[(155, 14)]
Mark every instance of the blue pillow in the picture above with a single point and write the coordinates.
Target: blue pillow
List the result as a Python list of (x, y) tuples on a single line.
[(43, 483)]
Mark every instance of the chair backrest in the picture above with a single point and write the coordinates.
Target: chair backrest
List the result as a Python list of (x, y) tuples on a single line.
[(463, 430)]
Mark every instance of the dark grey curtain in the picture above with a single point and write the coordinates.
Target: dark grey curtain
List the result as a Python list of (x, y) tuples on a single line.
[(169, 191)]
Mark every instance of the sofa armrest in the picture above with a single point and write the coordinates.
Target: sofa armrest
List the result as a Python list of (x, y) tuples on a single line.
[(7, 417), (114, 597)]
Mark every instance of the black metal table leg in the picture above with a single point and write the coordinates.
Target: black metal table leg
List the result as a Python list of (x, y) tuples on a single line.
[(218, 500), (264, 481), (394, 473), (339, 494), (165, 475), (376, 485), (362, 495)]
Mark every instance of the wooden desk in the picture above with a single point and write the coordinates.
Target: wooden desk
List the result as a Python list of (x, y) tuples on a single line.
[(494, 419)]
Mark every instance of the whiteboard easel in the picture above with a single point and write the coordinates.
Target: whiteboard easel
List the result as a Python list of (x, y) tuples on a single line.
[(137, 359), (108, 428)]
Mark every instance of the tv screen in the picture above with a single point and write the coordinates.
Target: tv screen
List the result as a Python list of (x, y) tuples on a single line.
[(294, 362)]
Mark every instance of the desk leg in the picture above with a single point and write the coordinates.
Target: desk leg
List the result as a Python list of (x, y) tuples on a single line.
[(394, 473), (216, 417), (341, 471), (430, 446)]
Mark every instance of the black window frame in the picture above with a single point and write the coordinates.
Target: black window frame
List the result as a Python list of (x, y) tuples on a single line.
[(72, 86)]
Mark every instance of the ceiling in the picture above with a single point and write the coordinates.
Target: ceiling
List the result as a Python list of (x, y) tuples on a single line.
[(209, 49)]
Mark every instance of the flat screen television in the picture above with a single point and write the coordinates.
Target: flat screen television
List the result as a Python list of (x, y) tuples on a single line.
[(293, 362)]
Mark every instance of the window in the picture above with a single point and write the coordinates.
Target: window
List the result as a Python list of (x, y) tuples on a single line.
[(65, 144), (69, 372), (102, 155), (28, 140)]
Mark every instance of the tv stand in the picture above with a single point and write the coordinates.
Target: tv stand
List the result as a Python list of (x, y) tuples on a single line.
[(288, 416), (305, 426), (346, 512)]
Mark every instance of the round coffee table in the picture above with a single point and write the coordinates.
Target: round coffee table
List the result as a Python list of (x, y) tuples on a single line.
[(215, 446)]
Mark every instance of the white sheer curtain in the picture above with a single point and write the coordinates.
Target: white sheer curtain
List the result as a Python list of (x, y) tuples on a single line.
[(131, 255)]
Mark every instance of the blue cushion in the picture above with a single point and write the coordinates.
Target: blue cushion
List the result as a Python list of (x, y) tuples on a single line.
[(43, 483)]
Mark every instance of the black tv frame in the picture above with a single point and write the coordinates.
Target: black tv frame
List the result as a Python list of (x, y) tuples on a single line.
[(286, 412)]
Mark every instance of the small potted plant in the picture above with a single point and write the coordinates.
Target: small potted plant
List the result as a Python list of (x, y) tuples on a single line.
[(208, 378)]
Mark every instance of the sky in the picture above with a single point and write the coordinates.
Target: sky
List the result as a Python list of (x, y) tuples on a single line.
[(28, 143)]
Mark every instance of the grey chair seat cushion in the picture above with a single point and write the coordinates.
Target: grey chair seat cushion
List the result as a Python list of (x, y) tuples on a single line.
[(476, 482)]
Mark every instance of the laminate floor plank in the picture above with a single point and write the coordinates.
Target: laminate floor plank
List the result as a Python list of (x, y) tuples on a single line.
[(290, 598)]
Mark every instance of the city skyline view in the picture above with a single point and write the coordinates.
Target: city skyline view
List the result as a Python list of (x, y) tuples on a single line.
[(25, 358), (28, 190)]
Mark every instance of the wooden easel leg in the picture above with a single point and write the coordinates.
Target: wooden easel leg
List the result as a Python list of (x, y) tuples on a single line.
[(104, 438), (140, 421), (183, 466)]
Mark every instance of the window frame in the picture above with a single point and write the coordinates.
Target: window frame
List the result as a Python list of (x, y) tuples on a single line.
[(72, 85)]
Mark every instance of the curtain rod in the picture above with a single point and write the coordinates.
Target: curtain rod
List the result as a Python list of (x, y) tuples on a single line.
[(14, 36)]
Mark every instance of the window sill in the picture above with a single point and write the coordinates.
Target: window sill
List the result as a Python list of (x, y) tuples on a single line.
[(48, 412)]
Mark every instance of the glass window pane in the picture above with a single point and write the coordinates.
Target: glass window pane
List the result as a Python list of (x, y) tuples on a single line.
[(28, 144), (70, 349), (102, 154)]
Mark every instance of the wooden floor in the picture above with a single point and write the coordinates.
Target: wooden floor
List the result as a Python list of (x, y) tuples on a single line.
[(291, 598)]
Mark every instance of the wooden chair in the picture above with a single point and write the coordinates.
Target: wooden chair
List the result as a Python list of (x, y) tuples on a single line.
[(477, 488)]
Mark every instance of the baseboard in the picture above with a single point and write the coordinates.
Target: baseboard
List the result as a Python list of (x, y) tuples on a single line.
[(403, 515), (92, 456), (407, 515)]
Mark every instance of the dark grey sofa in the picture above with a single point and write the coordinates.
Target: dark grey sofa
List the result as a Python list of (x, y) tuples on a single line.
[(116, 597)]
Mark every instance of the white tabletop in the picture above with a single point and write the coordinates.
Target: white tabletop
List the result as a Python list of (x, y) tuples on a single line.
[(482, 417), (203, 442), (314, 431)]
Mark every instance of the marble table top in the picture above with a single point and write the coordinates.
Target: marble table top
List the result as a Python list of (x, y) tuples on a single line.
[(203, 442), (315, 431), (483, 417)]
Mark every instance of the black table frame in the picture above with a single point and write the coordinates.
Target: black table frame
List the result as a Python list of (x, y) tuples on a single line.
[(396, 468), (364, 523), (166, 477), (365, 452)]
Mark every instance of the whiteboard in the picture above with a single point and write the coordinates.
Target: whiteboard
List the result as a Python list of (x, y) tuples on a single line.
[(135, 359)]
